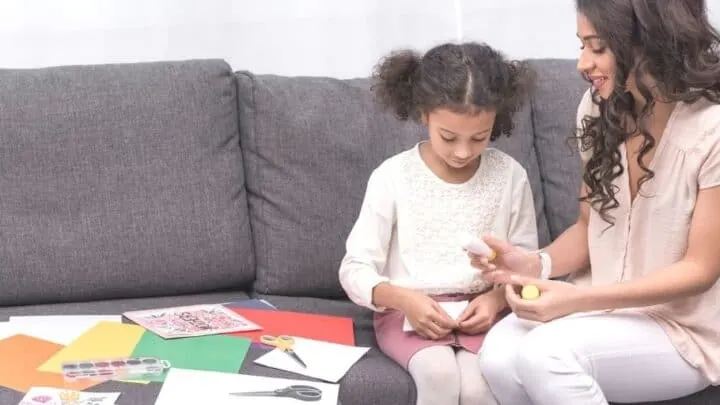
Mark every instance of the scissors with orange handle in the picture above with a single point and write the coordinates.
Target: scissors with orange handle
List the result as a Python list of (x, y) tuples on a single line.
[(284, 343)]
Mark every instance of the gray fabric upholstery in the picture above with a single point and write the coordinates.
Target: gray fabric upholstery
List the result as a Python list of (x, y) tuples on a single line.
[(118, 306), (120, 181), (554, 105), (521, 147), (309, 145)]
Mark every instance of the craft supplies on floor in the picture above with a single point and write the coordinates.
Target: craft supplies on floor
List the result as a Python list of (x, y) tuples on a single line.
[(325, 361), (206, 387), (211, 353), (53, 396), (21, 355), (334, 329), (189, 321)]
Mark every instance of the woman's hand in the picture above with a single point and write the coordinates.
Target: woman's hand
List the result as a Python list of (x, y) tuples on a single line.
[(509, 260), (426, 316), (557, 299), (481, 313)]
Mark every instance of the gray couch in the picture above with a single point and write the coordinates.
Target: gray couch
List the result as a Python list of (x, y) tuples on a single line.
[(146, 185)]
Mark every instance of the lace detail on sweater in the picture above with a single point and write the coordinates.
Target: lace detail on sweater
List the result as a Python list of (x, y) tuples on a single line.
[(433, 215)]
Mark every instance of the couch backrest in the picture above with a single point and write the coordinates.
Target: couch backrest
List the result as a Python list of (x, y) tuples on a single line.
[(554, 108), (147, 179), (309, 145), (121, 181)]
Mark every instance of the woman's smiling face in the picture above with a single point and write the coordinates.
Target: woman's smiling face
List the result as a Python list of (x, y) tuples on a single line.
[(596, 61)]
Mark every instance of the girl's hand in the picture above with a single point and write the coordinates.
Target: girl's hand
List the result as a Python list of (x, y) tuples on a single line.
[(480, 314), (509, 260), (426, 316), (557, 299)]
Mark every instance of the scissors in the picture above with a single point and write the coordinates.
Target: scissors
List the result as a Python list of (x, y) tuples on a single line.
[(284, 343), (299, 392)]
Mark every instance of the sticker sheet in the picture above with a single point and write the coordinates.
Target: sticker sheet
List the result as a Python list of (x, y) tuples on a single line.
[(195, 320), (55, 396)]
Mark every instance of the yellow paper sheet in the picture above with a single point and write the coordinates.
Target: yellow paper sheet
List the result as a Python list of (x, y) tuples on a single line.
[(104, 340)]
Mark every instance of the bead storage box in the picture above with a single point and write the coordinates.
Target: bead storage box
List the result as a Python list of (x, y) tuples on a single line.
[(111, 369)]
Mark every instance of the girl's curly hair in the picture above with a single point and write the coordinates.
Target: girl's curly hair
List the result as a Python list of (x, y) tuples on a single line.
[(465, 78), (670, 41)]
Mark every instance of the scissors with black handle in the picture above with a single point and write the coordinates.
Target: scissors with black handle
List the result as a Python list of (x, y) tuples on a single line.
[(284, 343), (300, 392)]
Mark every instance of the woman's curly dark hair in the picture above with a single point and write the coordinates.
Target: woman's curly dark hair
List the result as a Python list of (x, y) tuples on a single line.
[(670, 41), (465, 78)]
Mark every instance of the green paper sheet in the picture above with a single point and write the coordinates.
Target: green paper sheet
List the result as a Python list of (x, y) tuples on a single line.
[(210, 353)]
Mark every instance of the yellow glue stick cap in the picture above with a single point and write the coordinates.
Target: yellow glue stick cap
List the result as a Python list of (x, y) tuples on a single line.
[(530, 292)]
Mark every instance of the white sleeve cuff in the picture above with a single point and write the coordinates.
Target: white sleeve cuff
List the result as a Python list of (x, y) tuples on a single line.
[(364, 292)]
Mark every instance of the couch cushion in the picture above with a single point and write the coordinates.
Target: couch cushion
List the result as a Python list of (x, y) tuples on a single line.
[(520, 145), (118, 306), (309, 146), (120, 181), (554, 104)]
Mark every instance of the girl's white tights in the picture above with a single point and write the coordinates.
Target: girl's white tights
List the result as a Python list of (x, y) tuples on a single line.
[(444, 376)]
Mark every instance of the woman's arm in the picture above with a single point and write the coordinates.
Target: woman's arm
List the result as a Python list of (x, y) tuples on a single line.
[(569, 252), (695, 273), (522, 230)]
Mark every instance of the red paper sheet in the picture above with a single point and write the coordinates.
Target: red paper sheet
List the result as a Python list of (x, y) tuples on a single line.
[(334, 329)]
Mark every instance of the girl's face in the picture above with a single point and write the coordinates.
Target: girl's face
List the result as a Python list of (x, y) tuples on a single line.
[(596, 61), (458, 139)]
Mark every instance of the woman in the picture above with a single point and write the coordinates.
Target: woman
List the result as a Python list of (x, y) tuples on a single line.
[(640, 319)]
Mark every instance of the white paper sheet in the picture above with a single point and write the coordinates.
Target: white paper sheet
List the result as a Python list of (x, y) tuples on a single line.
[(324, 360), (55, 396), (60, 329), (7, 330), (453, 309), (184, 386)]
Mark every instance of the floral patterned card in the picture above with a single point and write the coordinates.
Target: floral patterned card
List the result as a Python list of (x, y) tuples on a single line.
[(195, 320), (55, 396)]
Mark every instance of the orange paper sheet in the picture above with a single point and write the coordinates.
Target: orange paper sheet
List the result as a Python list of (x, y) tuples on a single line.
[(326, 328), (21, 355)]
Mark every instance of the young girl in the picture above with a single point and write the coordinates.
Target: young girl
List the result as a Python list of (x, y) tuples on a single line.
[(404, 256)]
